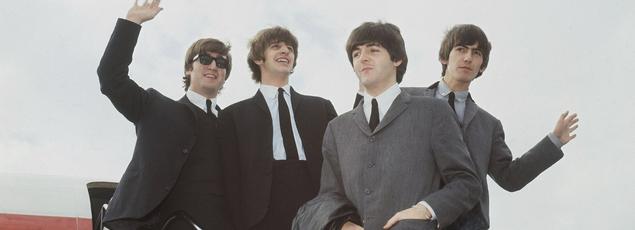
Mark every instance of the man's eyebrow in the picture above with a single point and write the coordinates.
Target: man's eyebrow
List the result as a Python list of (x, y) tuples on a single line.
[(369, 44)]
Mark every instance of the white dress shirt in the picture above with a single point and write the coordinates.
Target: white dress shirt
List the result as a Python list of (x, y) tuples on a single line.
[(271, 97), (384, 100), (460, 98), (199, 101)]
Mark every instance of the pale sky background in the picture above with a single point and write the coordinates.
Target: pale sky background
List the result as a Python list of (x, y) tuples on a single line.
[(58, 131)]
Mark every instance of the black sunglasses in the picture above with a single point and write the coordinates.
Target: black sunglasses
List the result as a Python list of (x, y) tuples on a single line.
[(206, 59)]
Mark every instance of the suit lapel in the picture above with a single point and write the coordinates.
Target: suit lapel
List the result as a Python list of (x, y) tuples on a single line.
[(398, 106), (470, 111), (431, 90), (296, 99), (259, 100), (188, 103), (360, 118), (264, 125), (196, 111)]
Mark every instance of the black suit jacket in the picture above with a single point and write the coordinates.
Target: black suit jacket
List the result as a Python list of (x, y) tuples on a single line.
[(165, 130), (248, 153)]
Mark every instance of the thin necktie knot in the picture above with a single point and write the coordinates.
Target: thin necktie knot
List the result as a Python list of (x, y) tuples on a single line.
[(374, 115)]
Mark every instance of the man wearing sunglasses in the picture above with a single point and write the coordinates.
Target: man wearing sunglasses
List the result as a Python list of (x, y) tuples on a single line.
[(176, 165), (271, 142)]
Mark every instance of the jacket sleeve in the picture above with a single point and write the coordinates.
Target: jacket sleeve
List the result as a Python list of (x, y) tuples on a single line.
[(513, 175), (127, 97)]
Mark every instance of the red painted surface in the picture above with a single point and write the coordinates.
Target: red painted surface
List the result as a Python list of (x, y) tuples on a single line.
[(29, 222)]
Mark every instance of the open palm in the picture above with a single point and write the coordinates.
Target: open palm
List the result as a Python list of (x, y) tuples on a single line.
[(144, 12)]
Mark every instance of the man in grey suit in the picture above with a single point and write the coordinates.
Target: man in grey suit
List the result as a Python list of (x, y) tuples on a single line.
[(464, 55), (396, 161)]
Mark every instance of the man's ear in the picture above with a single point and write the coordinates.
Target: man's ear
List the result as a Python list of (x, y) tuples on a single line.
[(259, 62), (397, 63), (445, 62)]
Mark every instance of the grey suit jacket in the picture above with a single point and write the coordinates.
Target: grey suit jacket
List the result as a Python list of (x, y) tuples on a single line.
[(485, 139), (416, 153)]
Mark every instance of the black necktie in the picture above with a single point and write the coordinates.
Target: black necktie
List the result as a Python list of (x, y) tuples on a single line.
[(374, 115), (285, 127), (208, 102), (451, 100)]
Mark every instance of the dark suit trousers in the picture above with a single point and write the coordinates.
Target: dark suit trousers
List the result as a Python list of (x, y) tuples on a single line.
[(291, 188)]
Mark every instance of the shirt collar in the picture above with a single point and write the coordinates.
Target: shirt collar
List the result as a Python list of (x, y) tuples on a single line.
[(384, 101), (444, 90), (271, 92), (199, 100)]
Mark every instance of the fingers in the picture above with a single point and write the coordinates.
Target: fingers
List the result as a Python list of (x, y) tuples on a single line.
[(392, 221), (573, 128), (563, 115), (571, 120), (569, 123), (571, 117), (136, 3), (155, 5), (568, 120)]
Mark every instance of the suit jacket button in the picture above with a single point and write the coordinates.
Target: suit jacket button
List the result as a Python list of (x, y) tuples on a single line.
[(370, 165), (186, 151), (367, 191), (372, 139)]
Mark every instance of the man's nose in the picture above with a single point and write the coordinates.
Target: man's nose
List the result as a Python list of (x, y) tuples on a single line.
[(467, 57), (212, 65), (284, 49)]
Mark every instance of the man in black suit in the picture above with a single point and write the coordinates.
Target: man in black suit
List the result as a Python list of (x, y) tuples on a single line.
[(271, 143), (176, 164)]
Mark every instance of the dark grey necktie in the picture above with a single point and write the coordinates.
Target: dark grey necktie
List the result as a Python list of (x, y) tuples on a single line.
[(285, 127), (374, 115), (451, 98)]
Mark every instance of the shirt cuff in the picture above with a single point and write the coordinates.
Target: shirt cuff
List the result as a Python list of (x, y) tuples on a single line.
[(425, 204), (555, 140)]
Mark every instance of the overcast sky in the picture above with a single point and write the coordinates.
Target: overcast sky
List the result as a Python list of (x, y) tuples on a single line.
[(547, 57)]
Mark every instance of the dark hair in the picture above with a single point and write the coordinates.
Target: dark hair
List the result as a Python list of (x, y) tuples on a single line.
[(261, 42), (201, 46), (385, 34), (464, 35)]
